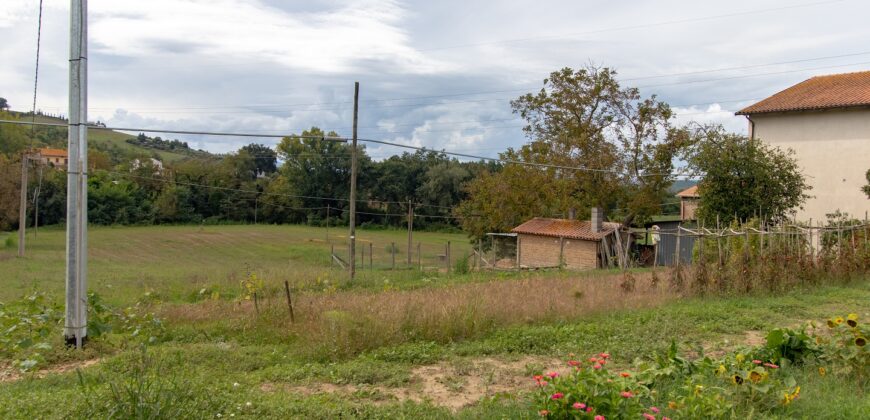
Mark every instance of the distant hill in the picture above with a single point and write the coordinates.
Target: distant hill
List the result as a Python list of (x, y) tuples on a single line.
[(118, 143), (682, 184)]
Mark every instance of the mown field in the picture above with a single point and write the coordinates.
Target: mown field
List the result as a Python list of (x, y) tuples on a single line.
[(392, 344)]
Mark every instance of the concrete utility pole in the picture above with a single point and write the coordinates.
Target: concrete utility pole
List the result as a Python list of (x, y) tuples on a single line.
[(75, 326), (22, 209), (352, 262), (410, 229)]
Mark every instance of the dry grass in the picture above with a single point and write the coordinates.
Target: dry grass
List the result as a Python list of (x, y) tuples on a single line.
[(342, 324)]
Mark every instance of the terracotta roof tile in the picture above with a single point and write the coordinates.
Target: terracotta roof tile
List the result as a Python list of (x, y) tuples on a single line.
[(689, 192), (52, 152), (564, 228), (820, 92)]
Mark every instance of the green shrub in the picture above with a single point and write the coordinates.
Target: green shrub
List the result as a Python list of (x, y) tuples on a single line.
[(793, 346), (462, 266), (11, 241)]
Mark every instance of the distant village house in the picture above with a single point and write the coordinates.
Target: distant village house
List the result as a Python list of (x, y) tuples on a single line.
[(56, 158)]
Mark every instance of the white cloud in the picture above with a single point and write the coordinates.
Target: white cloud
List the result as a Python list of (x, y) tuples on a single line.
[(334, 41)]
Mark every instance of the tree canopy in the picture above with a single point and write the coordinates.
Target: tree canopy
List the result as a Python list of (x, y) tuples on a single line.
[(744, 178), (624, 144)]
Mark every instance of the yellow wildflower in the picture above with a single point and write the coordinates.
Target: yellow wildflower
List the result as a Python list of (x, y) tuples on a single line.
[(831, 323), (673, 405), (755, 377), (822, 371), (852, 320), (737, 380), (860, 341), (740, 358), (838, 320), (698, 389), (788, 398), (720, 370)]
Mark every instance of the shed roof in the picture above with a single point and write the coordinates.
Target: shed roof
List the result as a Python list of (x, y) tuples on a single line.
[(689, 192), (820, 92), (565, 228)]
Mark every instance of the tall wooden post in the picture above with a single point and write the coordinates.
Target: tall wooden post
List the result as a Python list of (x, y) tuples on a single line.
[(393, 253), (22, 209), (410, 229), (353, 168), (419, 256), (371, 256)]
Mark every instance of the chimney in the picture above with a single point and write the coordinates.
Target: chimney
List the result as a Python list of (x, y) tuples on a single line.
[(572, 213), (597, 219)]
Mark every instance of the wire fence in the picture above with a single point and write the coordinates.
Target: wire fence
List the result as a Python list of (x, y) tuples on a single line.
[(379, 255)]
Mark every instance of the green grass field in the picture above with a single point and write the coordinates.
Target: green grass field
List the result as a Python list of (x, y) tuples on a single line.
[(393, 344)]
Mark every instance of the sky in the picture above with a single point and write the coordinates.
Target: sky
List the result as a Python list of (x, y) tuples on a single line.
[(438, 74)]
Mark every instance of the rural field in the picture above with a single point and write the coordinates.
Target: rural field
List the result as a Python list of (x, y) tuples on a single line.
[(175, 330)]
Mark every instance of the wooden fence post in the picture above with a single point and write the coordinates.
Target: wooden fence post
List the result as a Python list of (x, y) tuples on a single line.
[(677, 248), (289, 302), (371, 256), (393, 253), (419, 256), (448, 257)]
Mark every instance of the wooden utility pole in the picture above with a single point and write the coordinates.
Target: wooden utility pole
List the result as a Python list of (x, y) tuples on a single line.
[(353, 165), (410, 229), (327, 223), (22, 209), (75, 325)]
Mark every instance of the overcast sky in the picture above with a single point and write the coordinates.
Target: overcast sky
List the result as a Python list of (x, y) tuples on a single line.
[(438, 74)]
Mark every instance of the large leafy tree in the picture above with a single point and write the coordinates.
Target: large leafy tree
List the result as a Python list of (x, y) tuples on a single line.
[(744, 178), (316, 168), (623, 144)]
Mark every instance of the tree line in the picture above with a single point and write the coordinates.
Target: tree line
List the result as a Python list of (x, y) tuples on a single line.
[(591, 143)]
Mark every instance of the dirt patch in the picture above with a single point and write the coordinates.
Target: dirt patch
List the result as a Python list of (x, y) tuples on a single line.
[(453, 384), (9, 374), (754, 338)]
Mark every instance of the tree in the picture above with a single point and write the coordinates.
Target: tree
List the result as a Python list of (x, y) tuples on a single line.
[(744, 178), (265, 159), (580, 119), (314, 167), (4, 105), (866, 188), (13, 138)]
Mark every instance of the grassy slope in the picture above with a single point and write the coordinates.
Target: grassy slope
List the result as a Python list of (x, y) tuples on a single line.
[(223, 350), (116, 139)]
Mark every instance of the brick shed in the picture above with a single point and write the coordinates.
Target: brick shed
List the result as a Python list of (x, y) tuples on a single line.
[(544, 242)]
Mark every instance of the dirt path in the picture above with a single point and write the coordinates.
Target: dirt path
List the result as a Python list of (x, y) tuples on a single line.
[(9, 373)]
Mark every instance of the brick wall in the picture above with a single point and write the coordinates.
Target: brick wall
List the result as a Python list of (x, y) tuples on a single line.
[(543, 251), (688, 206)]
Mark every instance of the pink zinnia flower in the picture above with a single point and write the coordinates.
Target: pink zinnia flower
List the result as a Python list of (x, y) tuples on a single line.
[(771, 365), (573, 363), (604, 355), (589, 410), (538, 378), (625, 374), (654, 409), (600, 417), (579, 406), (597, 366), (557, 396), (542, 383), (756, 361), (649, 416), (592, 360), (626, 394), (553, 375)]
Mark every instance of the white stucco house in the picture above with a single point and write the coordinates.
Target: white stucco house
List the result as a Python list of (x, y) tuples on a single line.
[(826, 121)]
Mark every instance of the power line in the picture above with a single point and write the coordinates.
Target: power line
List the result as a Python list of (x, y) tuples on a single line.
[(342, 139), (36, 72)]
